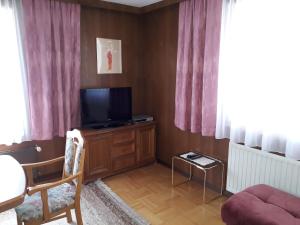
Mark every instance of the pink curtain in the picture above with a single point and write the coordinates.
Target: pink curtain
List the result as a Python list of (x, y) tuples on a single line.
[(52, 50), (197, 65)]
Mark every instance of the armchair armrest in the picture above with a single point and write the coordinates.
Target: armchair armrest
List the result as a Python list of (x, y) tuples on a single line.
[(44, 163), (28, 167), (41, 187)]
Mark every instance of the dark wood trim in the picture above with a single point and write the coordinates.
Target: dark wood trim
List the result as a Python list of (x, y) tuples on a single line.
[(106, 5), (158, 5), (124, 8)]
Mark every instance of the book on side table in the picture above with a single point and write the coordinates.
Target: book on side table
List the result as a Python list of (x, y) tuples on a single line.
[(198, 158)]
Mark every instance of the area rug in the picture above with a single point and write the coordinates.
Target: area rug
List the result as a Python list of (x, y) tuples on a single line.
[(99, 206)]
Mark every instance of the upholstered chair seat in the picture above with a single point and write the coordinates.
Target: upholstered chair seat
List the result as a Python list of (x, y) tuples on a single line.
[(59, 198)]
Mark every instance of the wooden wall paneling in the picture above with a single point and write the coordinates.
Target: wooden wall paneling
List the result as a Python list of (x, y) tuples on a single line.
[(26, 153), (23, 153), (160, 33), (51, 149), (115, 25)]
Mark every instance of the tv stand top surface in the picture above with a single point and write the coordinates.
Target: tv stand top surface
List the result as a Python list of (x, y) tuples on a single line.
[(100, 130), (110, 125)]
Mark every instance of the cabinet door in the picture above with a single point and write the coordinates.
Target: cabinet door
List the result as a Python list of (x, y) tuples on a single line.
[(98, 163), (146, 144)]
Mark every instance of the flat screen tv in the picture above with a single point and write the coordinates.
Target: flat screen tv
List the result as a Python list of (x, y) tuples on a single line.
[(105, 107)]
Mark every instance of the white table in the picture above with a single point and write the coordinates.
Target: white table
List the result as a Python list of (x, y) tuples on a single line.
[(12, 183)]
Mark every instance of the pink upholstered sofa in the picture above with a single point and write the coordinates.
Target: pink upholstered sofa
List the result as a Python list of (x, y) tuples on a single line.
[(261, 205)]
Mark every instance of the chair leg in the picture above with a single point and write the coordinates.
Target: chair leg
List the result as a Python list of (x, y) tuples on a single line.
[(69, 216), (78, 214), (19, 221)]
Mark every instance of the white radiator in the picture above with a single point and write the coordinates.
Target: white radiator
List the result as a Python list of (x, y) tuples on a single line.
[(248, 166)]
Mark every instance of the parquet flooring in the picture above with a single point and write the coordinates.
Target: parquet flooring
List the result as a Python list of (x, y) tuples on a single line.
[(149, 191)]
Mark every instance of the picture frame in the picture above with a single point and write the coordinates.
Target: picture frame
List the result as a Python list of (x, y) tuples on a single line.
[(109, 56)]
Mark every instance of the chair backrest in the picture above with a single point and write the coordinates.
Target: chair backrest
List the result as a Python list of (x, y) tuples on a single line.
[(74, 153)]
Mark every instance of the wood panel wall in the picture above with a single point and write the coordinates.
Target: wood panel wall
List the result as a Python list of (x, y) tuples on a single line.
[(26, 153), (149, 46), (115, 25), (159, 70)]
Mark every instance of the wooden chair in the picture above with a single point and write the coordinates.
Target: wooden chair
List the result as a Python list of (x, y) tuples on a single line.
[(51, 201)]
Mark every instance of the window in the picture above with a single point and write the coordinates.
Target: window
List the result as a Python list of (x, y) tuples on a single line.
[(14, 119), (259, 75)]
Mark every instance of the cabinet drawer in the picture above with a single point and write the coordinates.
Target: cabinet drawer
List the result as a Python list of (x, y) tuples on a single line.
[(123, 162), (124, 149), (124, 136)]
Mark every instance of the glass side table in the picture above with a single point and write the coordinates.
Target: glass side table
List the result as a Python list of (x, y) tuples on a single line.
[(204, 163)]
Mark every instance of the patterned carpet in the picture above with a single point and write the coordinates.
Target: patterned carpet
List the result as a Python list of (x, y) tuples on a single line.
[(99, 206)]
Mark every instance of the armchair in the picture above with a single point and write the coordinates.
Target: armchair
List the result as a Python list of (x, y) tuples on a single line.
[(51, 201)]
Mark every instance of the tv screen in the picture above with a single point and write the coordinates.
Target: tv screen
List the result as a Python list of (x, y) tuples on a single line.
[(105, 106)]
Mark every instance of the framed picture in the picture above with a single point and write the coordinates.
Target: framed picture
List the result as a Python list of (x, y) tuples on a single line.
[(109, 56)]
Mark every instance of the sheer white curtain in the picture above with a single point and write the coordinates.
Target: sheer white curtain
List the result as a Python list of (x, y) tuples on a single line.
[(259, 75), (14, 116)]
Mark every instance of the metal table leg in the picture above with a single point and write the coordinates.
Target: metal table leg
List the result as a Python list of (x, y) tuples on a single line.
[(172, 171), (222, 181), (204, 186), (191, 172), (188, 179)]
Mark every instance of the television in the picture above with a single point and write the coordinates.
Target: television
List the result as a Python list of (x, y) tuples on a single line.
[(105, 107)]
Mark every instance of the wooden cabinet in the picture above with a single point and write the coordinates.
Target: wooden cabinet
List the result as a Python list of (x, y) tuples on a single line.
[(97, 160), (123, 149), (114, 150), (145, 142)]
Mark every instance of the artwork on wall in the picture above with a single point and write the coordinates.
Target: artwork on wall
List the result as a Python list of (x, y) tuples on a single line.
[(109, 56)]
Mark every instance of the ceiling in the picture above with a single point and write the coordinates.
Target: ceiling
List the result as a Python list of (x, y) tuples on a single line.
[(135, 3)]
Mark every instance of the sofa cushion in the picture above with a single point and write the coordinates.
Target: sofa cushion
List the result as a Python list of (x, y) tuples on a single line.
[(276, 197), (261, 205)]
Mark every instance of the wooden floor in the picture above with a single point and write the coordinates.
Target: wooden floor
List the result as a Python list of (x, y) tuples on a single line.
[(149, 191)]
